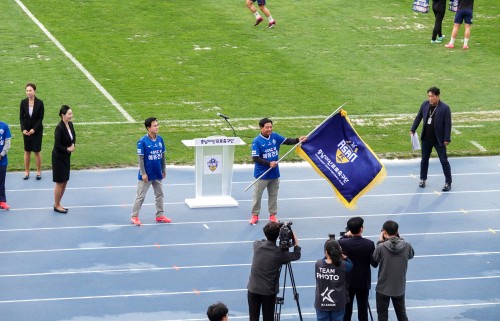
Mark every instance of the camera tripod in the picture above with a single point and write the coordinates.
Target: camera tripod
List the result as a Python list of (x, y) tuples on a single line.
[(281, 300)]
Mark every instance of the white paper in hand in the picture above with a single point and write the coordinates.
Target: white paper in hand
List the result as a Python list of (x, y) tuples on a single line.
[(415, 143)]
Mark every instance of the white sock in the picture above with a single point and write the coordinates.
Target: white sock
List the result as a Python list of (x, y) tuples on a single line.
[(466, 41), (257, 15), (452, 41), (270, 18)]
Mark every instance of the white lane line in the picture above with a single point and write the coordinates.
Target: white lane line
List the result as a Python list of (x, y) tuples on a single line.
[(116, 226), (76, 62), (481, 148), (95, 297), (194, 267)]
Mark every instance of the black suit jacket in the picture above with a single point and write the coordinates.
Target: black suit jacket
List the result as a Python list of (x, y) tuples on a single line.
[(442, 121), (62, 140), (35, 121)]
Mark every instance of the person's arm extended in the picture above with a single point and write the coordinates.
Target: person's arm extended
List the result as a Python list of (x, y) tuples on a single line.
[(6, 147), (260, 160)]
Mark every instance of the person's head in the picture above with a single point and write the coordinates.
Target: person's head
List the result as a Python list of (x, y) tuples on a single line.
[(391, 228), (433, 95), (217, 312), (355, 225), (272, 231), (30, 90), (151, 124), (333, 251), (266, 127), (66, 113)]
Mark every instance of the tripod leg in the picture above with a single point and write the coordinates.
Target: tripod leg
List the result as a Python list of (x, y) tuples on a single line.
[(294, 288)]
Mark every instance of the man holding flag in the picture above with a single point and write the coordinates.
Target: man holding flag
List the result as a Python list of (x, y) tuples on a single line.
[(265, 154)]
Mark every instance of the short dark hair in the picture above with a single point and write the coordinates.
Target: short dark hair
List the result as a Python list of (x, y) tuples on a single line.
[(391, 227), (264, 121), (64, 109), (355, 224), (272, 231), (434, 90), (149, 121), (217, 311), (30, 84)]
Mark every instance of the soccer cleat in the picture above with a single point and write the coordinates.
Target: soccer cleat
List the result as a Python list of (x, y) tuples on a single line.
[(271, 24), (436, 41), (135, 220), (254, 219), (466, 47), (272, 218), (4, 206), (422, 183), (163, 219), (450, 45), (440, 38), (259, 20), (447, 187)]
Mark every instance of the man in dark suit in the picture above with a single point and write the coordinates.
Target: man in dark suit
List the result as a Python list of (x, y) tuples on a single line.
[(359, 250), (436, 133)]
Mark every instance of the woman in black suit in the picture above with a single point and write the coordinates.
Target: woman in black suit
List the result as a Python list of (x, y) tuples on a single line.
[(64, 146), (31, 113)]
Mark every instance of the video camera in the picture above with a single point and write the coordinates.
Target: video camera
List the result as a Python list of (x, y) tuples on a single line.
[(286, 239)]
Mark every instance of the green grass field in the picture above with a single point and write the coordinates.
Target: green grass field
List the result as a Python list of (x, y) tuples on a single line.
[(184, 61)]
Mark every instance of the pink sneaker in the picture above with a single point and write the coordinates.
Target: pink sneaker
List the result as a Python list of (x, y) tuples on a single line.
[(271, 24), (4, 206), (466, 47), (450, 45), (254, 219), (163, 219), (259, 20), (135, 220), (272, 218)]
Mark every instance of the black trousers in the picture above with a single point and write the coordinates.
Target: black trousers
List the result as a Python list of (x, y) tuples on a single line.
[(443, 158), (362, 302), (3, 173), (438, 23), (256, 301), (383, 307)]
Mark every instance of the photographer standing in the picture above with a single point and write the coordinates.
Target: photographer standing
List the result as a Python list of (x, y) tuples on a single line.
[(360, 251), (331, 283), (392, 253), (263, 284)]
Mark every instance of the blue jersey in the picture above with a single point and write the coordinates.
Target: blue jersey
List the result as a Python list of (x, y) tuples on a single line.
[(4, 135), (152, 150), (268, 149)]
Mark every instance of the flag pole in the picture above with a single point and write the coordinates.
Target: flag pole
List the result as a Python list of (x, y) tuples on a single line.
[(291, 149)]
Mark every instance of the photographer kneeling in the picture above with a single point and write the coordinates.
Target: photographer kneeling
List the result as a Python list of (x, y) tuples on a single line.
[(263, 284)]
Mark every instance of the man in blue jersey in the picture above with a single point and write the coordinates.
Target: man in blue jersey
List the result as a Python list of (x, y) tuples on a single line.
[(4, 149), (265, 150), (151, 152)]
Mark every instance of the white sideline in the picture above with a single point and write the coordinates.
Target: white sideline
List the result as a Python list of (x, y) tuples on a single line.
[(76, 62)]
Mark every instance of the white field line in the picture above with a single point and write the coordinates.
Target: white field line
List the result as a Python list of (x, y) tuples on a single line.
[(481, 148), (488, 116), (76, 62)]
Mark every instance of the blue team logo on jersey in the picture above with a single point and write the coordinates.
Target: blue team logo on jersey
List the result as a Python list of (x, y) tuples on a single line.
[(274, 141), (212, 164), (1, 131)]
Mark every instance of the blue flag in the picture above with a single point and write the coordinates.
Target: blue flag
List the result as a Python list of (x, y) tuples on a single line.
[(338, 154)]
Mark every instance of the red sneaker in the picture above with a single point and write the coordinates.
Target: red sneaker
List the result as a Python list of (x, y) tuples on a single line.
[(272, 218), (4, 206), (163, 219), (259, 20), (254, 219), (449, 45), (271, 24), (135, 220)]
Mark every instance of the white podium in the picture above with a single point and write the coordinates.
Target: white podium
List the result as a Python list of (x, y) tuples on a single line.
[(214, 157)]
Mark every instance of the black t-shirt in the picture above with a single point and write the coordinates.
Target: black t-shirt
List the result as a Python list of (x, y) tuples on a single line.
[(465, 5), (429, 131)]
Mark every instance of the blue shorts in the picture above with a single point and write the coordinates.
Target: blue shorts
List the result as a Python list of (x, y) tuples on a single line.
[(463, 16), (260, 2)]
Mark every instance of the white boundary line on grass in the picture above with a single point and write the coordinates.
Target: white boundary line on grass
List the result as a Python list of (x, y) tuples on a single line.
[(76, 62)]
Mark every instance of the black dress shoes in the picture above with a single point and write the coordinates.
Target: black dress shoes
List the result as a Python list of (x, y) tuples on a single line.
[(63, 211), (446, 187), (422, 183)]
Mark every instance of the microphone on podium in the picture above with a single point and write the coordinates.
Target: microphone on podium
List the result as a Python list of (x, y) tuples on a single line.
[(226, 119)]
